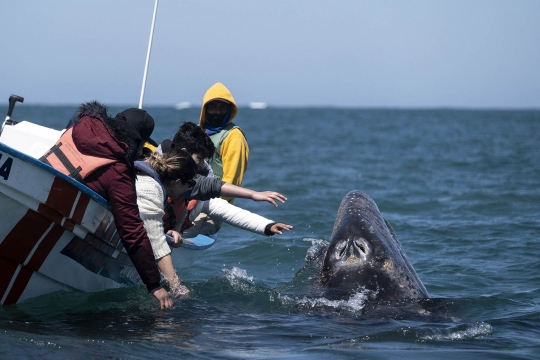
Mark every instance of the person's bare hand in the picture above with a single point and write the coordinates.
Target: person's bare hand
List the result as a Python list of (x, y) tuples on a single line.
[(270, 196), (165, 300), (277, 227), (177, 238)]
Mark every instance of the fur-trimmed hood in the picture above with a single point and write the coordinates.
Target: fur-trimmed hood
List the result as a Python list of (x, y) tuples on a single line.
[(93, 109), (96, 134)]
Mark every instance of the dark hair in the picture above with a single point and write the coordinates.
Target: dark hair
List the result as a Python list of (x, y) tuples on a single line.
[(176, 164), (191, 137)]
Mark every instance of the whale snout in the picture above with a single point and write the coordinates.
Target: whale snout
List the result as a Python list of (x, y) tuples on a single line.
[(364, 252), (350, 252)]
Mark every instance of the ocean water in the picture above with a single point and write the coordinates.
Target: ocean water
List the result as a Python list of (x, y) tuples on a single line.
[(461, 189)]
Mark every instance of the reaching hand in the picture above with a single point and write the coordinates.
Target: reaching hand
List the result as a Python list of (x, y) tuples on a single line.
[(176, 237), (165, 300), (270, 196), (277, 227)]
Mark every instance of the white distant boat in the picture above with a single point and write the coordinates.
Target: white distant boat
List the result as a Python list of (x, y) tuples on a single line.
[(183, 105), (257, 105)]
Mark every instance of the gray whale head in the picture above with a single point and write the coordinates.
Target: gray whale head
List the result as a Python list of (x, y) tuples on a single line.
[(365, 253)]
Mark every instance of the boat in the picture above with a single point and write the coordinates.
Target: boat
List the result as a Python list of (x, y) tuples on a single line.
[(183, 105), (56, 233), (257, 105)]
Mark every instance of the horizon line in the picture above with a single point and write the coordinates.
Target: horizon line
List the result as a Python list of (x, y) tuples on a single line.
[(338, 107)]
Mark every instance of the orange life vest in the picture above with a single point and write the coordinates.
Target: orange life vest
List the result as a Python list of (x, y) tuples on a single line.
[(190, 206), (65, 157), (177, 210)]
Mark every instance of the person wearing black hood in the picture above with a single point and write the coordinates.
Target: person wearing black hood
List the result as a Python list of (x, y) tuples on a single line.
[(101, 152)]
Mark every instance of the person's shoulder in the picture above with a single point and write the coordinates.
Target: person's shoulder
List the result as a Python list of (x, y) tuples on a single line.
[(149, 188), (146, 179), (236, 133), (121, 168), (236, 128), (117, 173)]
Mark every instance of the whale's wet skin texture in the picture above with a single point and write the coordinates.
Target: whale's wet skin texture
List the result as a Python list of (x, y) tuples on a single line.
[(365, 254)]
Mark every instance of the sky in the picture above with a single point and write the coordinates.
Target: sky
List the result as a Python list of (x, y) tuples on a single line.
[(343, 53)]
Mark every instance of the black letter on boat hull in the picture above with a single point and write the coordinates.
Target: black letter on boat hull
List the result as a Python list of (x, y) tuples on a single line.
[(6, 168)]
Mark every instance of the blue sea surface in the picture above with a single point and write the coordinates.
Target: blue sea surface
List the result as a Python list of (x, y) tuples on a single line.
[(461, 189)]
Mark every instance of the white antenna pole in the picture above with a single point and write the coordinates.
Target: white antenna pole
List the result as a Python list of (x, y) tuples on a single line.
[(148, 55)]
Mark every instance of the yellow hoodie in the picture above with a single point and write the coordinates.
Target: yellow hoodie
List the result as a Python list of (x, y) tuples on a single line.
[(234, 150)]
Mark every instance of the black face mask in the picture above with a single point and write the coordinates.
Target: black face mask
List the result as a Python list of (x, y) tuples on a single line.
[(215, 120)]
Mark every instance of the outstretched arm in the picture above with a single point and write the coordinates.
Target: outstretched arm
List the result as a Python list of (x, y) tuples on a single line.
[(222, 211), (207, 188), (240, 192), (278, 227)]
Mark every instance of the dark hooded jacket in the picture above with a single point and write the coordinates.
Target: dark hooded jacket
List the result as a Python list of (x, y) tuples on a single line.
[(96, 134)]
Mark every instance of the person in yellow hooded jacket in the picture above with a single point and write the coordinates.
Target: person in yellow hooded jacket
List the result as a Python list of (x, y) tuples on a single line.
[(230, 159)]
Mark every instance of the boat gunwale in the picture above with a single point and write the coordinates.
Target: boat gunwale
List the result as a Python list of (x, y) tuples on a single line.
[(33, 161)]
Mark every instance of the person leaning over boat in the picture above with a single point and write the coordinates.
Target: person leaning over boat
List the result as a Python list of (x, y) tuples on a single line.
[(159, 177), (101, 152), (172, 175), (230, 159), (195, 142)]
